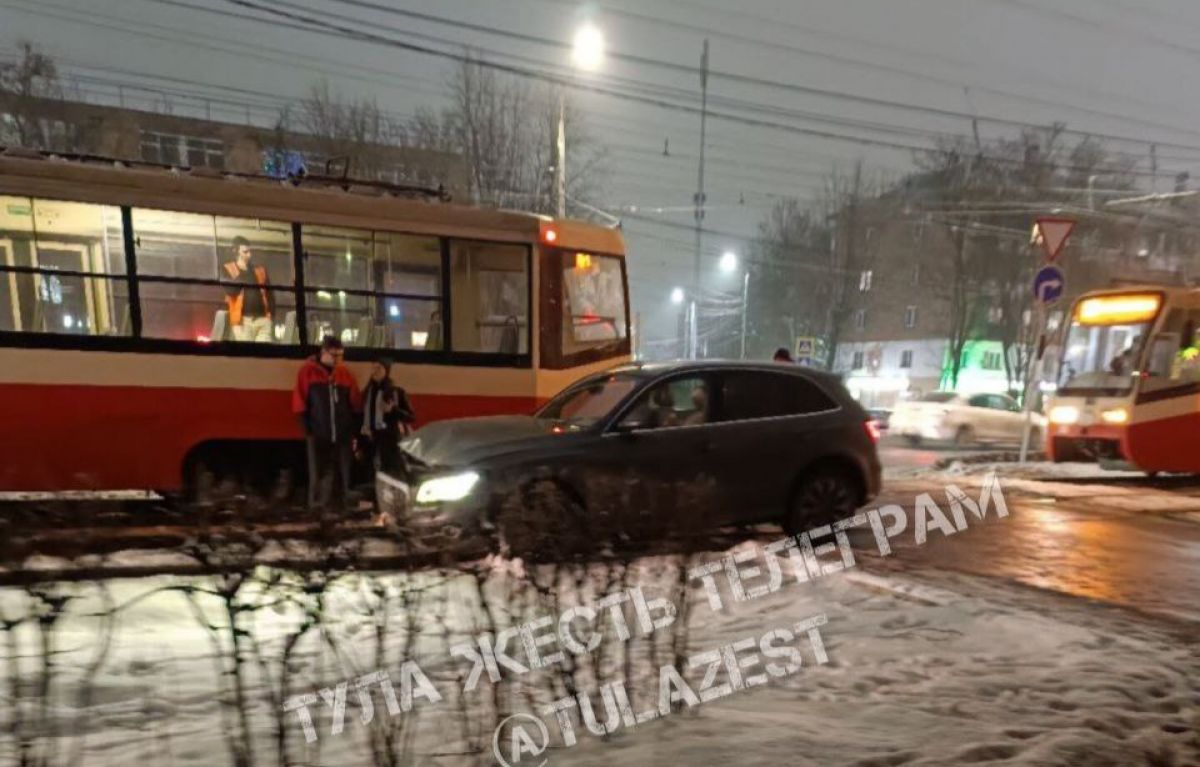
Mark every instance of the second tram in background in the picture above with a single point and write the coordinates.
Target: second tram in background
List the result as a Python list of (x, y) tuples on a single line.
[(1128, 392)]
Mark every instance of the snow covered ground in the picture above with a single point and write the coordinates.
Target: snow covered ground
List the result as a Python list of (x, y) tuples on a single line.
[(921, 670), (962, 677)]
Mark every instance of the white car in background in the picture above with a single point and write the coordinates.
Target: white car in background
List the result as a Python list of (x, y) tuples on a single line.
[(965, 420)]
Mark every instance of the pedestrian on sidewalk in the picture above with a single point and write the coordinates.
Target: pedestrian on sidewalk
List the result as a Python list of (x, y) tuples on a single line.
[(327, 401)]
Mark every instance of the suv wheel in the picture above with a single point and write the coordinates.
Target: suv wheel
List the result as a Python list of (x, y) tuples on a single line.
[(820, 497), (541, 521)]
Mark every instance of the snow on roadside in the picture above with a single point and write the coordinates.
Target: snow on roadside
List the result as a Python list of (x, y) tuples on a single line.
[(926, 676), (947, 673)]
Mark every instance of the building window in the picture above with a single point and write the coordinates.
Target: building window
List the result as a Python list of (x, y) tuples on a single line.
[(857, 362), (916, 275), (991, 361), (864, 280), (910, 317), (190, 151), (860, 319), (906, 358)]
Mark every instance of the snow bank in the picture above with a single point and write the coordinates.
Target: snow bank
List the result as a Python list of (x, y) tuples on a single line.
[(957, 671)]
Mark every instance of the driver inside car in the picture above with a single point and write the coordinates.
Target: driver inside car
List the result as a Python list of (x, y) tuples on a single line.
[(699, 414)]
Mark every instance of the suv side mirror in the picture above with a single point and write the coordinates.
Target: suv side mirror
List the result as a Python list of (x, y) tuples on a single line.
[(630, 426)]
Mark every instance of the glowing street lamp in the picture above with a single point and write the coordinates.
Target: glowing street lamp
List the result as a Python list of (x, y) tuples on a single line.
[(587, 54), (677, 296), (587, 49), (729, 262)]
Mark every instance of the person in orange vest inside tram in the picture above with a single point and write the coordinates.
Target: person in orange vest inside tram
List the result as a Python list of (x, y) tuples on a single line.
[(247, 295)]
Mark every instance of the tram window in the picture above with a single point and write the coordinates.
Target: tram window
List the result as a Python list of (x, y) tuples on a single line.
[(373, 289), (489, 295), (336, 258), (71, 258), (594, 302), (175, 249), (381, 322)]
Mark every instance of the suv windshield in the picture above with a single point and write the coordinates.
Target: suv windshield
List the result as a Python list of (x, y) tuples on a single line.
[(588, 403)]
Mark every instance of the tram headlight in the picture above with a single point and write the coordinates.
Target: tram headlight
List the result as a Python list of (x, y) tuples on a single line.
[(1064, 414), (452, 487), (1117, 415)]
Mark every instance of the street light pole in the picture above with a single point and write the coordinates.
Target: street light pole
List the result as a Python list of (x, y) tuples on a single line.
[(693, 335), (587, 54), (560, 176), (700, 181), (745, 308)]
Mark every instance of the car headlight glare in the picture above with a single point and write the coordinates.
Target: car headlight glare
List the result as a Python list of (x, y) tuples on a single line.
[(1117, 415), (1064, 414), (452, 487)]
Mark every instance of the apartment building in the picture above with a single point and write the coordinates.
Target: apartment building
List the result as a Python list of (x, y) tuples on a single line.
[(111, 131)]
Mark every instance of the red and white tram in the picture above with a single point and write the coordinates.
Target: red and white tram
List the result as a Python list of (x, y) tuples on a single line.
[(120, 365), (1128, 392)]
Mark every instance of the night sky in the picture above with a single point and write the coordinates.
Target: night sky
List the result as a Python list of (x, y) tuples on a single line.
[(1115, 67)]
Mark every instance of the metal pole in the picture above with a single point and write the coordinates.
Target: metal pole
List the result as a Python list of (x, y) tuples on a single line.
[(1154, 167), (560, 176), (745, 308), (681, 322), (636, 332), (693, 345), (700, 180), (1033, 376)]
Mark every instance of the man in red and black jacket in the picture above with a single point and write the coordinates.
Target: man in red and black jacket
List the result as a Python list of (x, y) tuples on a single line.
[(327, 401)]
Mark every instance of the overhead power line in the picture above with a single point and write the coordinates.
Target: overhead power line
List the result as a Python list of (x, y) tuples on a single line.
[(577, 83), (777, 24), (751, 80), (307, 25)]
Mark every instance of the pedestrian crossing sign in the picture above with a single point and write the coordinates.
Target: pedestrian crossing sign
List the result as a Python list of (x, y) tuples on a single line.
[(806, 348)]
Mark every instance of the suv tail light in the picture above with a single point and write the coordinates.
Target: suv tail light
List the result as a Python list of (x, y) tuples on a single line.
[(872, 428)]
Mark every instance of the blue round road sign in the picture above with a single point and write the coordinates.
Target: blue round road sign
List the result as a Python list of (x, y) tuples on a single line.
[(1048, 284)]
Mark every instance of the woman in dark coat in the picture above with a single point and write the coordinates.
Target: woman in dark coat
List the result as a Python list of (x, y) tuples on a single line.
[(387, 415)]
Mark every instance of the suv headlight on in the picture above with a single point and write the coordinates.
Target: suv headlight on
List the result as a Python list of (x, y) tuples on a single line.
[(451, 487)]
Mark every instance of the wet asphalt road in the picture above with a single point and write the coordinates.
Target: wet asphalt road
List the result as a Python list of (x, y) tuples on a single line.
[(1141, 560), (895, 453)]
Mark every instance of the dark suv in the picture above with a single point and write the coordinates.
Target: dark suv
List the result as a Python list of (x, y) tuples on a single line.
[(644, 449)]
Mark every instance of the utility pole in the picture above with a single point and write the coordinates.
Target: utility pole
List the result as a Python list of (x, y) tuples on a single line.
[(1154, 167), (700, 187), (560, 176)]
